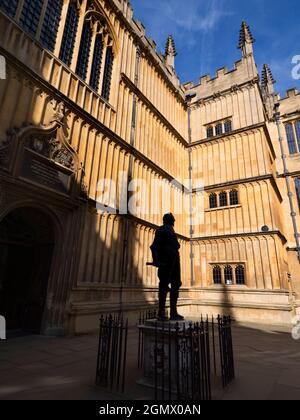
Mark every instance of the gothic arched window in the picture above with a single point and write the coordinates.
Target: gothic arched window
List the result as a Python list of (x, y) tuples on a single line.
[(219, 129), (228, 126), (297, 184), (30, 15), (107, 73), (213, 202), (223, 199), (234, 198), (297, 128), (97, 60), (68, 41), (209, 132), (240, 274), (217, 275), (9, 7), (228, 275), (291, 138), (51, 23), (84, 51)]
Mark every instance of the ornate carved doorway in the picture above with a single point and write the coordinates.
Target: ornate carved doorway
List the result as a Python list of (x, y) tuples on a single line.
[(26, 251)]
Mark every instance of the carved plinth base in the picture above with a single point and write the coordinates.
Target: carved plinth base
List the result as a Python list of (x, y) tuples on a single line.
[(164, 348)]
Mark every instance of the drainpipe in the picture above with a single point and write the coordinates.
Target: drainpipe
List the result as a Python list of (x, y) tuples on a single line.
[(189, 99), (287, 179)]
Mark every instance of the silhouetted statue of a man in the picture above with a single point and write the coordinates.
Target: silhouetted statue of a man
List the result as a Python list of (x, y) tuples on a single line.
[(165, 252)]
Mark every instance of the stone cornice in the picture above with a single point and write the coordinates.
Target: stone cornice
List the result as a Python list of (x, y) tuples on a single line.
[(134, 219), (10, 183), (241, 235), (237, 182), (146, 101), (292, 248), (292, 115), (218, 304), (242, 289), (153, 226), (224, 136), (94, 308), (242, 130), (216, 95), (292, 174), (67, 202)]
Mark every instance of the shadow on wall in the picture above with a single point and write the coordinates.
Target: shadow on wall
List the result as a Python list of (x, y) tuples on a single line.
[(101, 278), (89, 271), (112, 275), (85, 270), (54, 279), (226, 302)]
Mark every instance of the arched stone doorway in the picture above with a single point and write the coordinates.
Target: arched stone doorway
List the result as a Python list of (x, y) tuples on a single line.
[(26, 250)]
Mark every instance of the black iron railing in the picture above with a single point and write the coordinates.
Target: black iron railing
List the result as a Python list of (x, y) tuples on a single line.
[(226, 350), (112, 352), (188, 357), (182, 360)]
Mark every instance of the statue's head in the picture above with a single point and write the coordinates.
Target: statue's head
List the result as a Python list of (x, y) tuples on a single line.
[(169, 219)]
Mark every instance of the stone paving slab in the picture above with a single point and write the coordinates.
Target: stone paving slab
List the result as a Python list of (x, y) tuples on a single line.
[(37, 367)]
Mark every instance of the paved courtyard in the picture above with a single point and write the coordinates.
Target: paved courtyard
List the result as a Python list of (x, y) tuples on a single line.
[(37, 367)]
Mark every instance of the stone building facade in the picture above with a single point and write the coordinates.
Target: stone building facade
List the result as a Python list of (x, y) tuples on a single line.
[(87, 98)]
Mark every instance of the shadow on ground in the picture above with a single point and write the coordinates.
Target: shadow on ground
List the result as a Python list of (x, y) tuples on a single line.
[(38, 367)]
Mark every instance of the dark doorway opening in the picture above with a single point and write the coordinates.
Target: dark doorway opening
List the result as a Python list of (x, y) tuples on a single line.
[(26, 251)]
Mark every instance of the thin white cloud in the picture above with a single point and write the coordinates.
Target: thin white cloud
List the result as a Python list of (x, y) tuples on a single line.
[(192, 15), (193, 23), (197, 22)]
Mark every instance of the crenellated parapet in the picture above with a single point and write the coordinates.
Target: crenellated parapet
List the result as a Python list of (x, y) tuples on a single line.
[(290, 103), (244, 71)]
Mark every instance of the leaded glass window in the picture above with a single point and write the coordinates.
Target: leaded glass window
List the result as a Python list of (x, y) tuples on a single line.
[(228, 275), (210, 132), (234, 198), (217, 275), (291, 138), (240, 275), (297, 128), (213, 202), (219, 129), (30, 15), (107, 73), (297, 184), (51, 23), (68, 41), (9, 7), (228, 126), (223, 199), (84, 51), (97, 60)]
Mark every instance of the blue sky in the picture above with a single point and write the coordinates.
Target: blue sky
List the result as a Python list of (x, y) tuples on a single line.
[(206, 33)]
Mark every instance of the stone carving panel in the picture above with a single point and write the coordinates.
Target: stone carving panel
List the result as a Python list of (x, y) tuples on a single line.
[(42, 155)]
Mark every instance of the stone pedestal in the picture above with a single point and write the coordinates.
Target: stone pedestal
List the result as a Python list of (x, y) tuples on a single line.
[(173, 354)]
